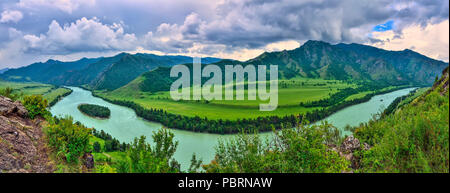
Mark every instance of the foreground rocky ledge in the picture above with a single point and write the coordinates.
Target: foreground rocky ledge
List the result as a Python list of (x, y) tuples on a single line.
[(22, 147)]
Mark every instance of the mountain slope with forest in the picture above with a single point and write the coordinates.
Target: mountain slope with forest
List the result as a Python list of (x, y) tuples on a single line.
[(101, 73), (317, 59), (45, 71), (129, 67)]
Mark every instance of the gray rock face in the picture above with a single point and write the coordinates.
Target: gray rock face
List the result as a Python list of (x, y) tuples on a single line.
[(8, 107), (350, 144), (348, 147), (88, 160), (21, 144)]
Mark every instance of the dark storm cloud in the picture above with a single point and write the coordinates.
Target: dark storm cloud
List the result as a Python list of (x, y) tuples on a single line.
[(253, 24)]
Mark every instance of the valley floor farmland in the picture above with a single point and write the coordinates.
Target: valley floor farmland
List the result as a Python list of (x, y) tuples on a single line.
[(49, 92), (290, 94)]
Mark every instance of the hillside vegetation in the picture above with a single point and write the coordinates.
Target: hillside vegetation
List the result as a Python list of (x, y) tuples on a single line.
[(413, 139), (101, 73), (17, 91), (317, 59)]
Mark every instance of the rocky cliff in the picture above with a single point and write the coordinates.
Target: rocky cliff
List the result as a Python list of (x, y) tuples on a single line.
[(22, 144)]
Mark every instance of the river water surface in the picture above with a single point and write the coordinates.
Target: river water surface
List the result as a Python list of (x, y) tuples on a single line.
[(125, 125)]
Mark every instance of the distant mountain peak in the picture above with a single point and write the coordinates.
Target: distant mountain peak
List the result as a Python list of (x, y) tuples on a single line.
[(51, 61), (316, 43)]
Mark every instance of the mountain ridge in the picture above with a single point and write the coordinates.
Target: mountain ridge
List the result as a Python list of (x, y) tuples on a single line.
[(314, 59), (318, 59), (98, 73)]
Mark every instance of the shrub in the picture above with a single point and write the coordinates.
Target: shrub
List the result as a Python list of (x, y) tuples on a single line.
[(8, 92), (413, 139), (300, 150), (70, 141), (143, 158), (96, 146), (36, 105), (105, 168)]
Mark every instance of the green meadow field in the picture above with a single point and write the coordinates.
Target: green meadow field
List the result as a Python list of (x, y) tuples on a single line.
[(290, 94), (49, 92)]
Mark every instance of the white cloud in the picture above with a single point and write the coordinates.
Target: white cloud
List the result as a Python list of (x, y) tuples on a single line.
[(83, 35), (431, 40), (11, 16), (247, 27), (65, 5)]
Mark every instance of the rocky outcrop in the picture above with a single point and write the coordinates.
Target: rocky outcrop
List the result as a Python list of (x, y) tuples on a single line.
[(443, 82), (22, 147), (88, 160), (348, 147), (10, 108)]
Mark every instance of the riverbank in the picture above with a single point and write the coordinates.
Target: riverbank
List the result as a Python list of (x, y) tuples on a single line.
[(59, 97), (125, 125), (259, 124)]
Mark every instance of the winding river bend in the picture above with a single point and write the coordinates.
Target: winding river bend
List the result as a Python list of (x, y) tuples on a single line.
[(125, 125)]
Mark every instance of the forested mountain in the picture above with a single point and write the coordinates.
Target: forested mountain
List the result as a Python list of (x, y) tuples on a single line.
[(314, 59), (317, 59), (3, 70), (129, 67), (354, 61), (99, 73), (43, 72)]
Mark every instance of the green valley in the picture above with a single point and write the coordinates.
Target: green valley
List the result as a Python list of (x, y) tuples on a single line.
[(252, 93), (52, 93), (290, 95), (316, 80)]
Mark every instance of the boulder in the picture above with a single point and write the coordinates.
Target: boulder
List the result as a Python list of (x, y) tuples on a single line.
[(350, 144), (88, 160), (11, 108)]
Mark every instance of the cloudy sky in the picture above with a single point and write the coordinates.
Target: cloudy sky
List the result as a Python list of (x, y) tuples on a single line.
[(36, 30)]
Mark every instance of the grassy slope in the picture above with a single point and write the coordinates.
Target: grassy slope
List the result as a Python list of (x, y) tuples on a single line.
[(103, 157), (414, 139), (49, 92), (418, 93), (291, 93)]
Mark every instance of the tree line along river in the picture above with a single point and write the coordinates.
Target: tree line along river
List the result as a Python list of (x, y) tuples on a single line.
[(124, 125)]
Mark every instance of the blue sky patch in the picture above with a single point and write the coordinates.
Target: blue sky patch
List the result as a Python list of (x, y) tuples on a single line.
[(385, 26)]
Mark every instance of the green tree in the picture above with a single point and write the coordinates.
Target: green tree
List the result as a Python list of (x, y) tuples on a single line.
[(300, 150), (97, 147), (8, 92), (69, 141), (195, 164), (143, 158), (36, 106)]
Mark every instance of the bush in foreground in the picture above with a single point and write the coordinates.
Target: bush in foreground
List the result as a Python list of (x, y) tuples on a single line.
[(70, 141), (300, 150), (36, 106), (144, 158), (415, 139)]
